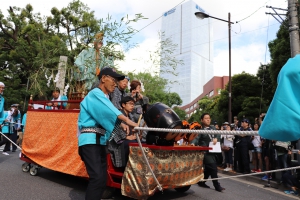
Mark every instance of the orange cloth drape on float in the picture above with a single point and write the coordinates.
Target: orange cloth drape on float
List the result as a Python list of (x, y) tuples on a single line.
[(53, 145)]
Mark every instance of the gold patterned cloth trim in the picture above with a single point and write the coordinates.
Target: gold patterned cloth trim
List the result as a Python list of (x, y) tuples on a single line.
[(172, 169)]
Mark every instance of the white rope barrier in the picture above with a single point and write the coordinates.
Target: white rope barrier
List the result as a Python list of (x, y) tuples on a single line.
[(11, 141), (4, 123), (256, 173), (220, 132)]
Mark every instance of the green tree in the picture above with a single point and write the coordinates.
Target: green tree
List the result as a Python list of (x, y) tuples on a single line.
[(250, 108), (162, 59), (267, 88), (77, 25), (243, 86), (180, 113), (207, 105), (33, 43), (26, 48), (280, 52), (14, 91), (154, 89)]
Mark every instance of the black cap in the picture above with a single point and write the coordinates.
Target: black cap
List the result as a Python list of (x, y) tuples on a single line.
[(110, 72), (245, 120)]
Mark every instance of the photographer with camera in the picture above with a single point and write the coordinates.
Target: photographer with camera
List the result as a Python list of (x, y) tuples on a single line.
[(139, 99)]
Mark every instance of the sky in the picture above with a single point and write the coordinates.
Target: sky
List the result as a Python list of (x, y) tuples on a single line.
[(249, 37)]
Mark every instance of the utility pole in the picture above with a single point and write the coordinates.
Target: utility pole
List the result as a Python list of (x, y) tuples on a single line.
[(293, 24), (293, 28)]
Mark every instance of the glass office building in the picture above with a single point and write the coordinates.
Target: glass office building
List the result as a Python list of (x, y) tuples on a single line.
[(193, 37)]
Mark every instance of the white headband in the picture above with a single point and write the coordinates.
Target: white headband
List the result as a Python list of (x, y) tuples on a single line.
[(2, 84)]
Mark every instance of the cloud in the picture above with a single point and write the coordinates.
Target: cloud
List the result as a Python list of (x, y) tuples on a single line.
[(246, 58), (248, 50), (137, 59)]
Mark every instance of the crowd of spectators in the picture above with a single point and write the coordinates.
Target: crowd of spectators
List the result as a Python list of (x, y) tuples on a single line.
[(252, 154)]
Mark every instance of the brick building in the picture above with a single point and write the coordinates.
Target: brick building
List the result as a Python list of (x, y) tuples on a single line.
[(212, 88)]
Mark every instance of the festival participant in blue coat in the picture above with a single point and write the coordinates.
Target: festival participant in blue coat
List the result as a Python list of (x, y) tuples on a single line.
[(14, 120), (2, 87), (5, 131), (21, 134), (98, 121)]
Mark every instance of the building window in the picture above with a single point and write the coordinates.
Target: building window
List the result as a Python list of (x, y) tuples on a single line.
[(211, 93), (219, 91)]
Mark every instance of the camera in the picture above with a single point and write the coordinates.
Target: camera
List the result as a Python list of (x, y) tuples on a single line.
[(232, 125), (224, 127)]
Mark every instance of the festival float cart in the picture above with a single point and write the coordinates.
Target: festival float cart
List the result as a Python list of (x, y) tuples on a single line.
[(50, 141)]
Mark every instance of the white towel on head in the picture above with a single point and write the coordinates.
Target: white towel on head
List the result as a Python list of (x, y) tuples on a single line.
[(2, 84)]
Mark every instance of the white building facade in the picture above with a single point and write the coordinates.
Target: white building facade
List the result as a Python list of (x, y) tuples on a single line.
[(193, 37)]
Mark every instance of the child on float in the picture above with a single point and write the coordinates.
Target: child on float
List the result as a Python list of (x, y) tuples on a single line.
[(119, 143)]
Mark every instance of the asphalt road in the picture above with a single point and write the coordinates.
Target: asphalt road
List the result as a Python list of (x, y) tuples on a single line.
[(47, 184)]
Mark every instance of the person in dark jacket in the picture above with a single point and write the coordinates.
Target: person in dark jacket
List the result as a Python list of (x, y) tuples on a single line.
[(241, 143), (119, 92), (119, 145), (210, 159)]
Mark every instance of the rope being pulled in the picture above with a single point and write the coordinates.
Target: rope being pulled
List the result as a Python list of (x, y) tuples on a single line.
[(220, 132), (256, 173), (11, 141)]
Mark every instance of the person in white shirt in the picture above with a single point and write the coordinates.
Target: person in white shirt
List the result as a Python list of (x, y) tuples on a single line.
[(256, 153), (228, 150)]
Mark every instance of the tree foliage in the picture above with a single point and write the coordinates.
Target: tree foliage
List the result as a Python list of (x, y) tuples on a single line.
[(207, 105), (280, 52), (181, 113), (243, 86), (32, 44), (154, 87)]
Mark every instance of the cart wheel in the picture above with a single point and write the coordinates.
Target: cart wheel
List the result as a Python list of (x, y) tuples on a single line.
[(183, 189), (108, 192), (33, 171), (25, 167)]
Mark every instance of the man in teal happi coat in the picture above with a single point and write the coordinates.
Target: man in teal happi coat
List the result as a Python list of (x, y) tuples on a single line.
[(98, 121), (2, 86)]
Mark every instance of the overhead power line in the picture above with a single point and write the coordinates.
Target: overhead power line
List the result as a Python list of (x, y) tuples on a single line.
[(155, 19)]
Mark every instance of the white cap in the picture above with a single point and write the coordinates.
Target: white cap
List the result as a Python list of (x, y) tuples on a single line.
[(2, 84)]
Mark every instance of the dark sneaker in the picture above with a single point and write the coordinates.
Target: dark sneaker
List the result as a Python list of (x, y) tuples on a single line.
[(219, 188), (202, 184)]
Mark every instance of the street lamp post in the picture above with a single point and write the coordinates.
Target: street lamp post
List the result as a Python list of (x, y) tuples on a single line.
[(203, 15)]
